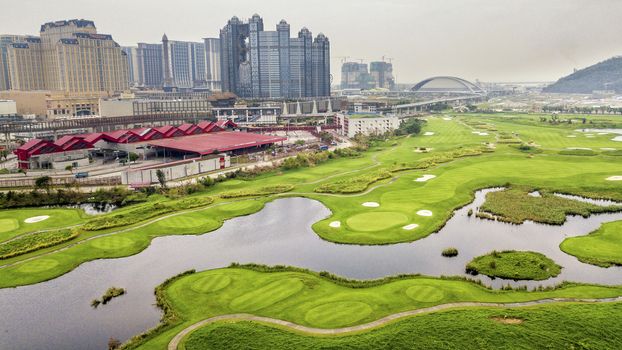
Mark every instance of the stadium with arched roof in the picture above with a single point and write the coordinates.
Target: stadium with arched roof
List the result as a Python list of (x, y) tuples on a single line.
[(447, 85)]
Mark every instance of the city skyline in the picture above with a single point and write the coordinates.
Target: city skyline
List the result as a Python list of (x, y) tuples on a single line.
[(531, 40)]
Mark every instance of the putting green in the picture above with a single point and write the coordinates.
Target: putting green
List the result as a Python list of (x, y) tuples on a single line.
[(238, 206), (338, 314), (112, 242), (376, 221), (38, 265), (211, 283), (182, 221), (425, 294), (267, 295), (7, 225)]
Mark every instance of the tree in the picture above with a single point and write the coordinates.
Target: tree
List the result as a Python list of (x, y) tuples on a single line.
[(326, 137), (113, 343), (43, 182), (299, 142), (410, 127), (133, 157), (69, 168), (4, 154), (161, 178)]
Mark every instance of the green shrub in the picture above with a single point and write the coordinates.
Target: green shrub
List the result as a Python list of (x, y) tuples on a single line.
[(261, 191), (144, 212), (577, 152), (353, 184), (449, 252), (29, 243)]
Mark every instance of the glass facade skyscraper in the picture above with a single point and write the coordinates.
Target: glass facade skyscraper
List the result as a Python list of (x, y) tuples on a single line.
[(257, 63)]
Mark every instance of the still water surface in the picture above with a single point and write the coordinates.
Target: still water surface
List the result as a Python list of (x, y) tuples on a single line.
[(57, 314)]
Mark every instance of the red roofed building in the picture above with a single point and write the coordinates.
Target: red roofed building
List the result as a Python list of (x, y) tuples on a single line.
[(217, 142), (68, 150), (190, 129)]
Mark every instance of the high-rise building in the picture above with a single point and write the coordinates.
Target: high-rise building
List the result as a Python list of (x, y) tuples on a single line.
[(150, 65), (355, 76), (5, 41), (69, 56), (212, 63), (25, 68), (382, 73), (269, 64), (184, 64), (131, 53)]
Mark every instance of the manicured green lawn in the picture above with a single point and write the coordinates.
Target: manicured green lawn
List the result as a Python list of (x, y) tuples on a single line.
[(12, 222), (403, 200), (568, 326), (306, 298), (514, 265), (602, 247)]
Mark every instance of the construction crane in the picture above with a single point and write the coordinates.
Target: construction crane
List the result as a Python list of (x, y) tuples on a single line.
[(343, 58), (390, 59)]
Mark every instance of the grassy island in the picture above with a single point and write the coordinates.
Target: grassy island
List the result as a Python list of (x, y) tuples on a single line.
[(514, 265)]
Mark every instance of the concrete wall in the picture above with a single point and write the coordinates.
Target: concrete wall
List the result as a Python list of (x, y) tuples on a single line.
[(8, 107), (148, 176), (116, 108)]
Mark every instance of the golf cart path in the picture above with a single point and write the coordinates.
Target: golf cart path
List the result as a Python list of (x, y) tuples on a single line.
[(174, 343)]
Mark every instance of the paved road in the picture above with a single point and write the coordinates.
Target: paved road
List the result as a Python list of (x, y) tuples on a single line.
[(174, 343)]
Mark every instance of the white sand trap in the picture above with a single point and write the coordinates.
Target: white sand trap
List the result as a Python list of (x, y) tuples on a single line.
[(590, 136), (428, 133), (446, 118), (424, 150), (335, 224), (614, 178), (617, 138), (410, 227), (34, 219), (583, 148), (608, 149), (571, 136), (603, 133), (424, 213), (371, 204), (425, 178)]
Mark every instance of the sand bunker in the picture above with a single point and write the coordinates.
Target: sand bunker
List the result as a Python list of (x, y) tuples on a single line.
[(425, 178), (617, 138), (603, 133), (371, 204), (571, 136), (422, 150), (428, 133), (34, 219), (507, 320), (410, 227), (335, 224), (614, 178), (608, 149), (424, 213), (583, 148), (446, 118), (480, 133)]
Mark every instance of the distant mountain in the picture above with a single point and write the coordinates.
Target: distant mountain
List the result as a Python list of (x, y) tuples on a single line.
[(606, 75)]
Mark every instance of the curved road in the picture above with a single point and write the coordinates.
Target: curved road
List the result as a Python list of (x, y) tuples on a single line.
[(174, 343)]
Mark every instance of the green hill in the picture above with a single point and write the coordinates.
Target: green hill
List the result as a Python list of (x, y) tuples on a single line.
[(606, 75)]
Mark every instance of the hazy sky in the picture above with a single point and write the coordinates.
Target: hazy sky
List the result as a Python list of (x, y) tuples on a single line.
[(490, 40)]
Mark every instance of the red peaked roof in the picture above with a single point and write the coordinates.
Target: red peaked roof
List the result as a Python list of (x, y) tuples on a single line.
[(216, 142)]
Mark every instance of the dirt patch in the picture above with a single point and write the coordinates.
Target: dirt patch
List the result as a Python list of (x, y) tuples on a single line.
[(507, 320)]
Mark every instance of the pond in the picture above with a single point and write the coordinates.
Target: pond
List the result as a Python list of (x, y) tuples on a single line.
[(57, 314)]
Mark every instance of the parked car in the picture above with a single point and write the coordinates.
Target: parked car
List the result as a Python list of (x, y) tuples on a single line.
[(81, 175)]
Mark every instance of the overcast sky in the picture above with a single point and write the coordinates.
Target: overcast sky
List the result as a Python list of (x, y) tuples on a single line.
[(489, 40)]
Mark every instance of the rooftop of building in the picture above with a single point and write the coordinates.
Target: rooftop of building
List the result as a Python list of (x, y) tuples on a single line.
[(216, 142)]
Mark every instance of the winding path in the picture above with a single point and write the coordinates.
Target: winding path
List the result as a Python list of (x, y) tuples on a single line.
[(174, 343)]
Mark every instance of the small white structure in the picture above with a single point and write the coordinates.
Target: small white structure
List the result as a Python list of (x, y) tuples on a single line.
[(8, 108), (367, 124), (174, 170)]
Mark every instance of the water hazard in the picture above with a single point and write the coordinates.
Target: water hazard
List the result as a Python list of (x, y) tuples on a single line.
[(57, 314)]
